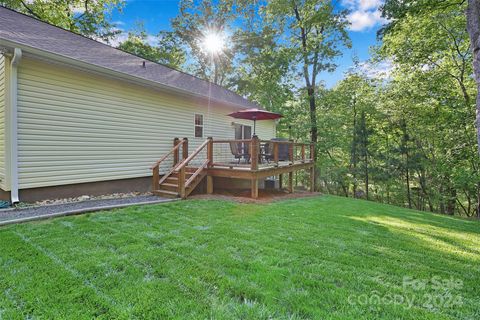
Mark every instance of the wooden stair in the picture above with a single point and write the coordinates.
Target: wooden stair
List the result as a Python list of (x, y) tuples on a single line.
[(170, 188), (181, 179)]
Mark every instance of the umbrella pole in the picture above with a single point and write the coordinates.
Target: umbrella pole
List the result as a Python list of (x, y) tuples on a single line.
[(254, 126)]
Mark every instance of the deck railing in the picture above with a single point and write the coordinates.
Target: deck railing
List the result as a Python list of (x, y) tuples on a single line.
[(255, 154), (183, 171)]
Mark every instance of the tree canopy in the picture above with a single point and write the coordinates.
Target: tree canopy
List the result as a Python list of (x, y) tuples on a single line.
[(87, 17)]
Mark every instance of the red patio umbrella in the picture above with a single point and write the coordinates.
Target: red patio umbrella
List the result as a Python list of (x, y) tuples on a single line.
[(255, 114)]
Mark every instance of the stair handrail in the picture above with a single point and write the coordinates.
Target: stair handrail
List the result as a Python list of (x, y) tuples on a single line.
[(156, 167), (187, 160), (169, 153), (168, 174), (196, 173)]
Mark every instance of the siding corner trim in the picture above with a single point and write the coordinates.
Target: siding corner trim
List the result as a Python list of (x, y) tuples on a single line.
[(13, 125)]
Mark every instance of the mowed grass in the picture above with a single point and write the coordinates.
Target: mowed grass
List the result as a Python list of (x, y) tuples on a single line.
[(314, 258)]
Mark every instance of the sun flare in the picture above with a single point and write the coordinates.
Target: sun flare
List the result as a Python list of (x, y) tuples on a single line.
[(213, 42)]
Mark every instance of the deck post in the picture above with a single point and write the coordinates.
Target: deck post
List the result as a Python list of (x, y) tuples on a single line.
[(254, 188), (176, 154), (290, 151), (209, 184), (290, 182), (280, 181), (303, 152), (255, 148), (275, 153), (181, 183), (210, 151), (185, 149)]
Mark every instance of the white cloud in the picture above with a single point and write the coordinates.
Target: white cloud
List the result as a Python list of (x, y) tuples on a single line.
[(376, 70), (152, 40), (119, 38), (364, 14), (362, 4), (364, 20), (123, 36), (369, 4)]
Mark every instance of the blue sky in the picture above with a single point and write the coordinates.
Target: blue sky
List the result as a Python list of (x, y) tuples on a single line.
[(365, 22)]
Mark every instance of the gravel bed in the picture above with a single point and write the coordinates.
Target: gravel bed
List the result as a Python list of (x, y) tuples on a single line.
[(51, 210)]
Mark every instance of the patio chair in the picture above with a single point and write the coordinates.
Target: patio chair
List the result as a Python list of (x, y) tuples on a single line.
[(268, 152), (239, 152)]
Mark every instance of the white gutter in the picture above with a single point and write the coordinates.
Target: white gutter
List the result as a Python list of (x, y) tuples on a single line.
[(17, 56)]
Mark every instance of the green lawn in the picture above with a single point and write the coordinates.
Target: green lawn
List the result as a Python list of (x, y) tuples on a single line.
[(312, 258)]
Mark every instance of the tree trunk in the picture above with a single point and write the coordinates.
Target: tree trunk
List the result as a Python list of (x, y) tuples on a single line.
[(313, 118), (478, 200), (451, 201), (473, 27), (365, 152), (313, 125), (353, 166), (407, 177), (405, 139)]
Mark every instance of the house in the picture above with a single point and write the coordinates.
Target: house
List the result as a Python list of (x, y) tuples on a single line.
[(80, 117)]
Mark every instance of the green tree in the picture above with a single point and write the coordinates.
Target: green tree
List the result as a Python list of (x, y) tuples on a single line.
[(167, 50), (198, 20), (87, 17), (313, 32), (428, 40)]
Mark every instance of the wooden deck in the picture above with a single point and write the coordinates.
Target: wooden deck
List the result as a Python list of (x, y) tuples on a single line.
[(251, 160)]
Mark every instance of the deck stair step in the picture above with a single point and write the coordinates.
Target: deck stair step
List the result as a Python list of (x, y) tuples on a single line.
[(169, 186), (166, 193), (181, 179)]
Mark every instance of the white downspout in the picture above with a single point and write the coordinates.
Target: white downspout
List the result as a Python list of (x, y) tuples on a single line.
[(17, 56)]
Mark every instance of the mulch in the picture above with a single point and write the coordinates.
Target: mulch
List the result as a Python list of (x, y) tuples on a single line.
[(264, 196)]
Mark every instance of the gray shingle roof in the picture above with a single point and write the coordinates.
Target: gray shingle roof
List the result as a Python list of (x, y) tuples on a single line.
[(22, 29)]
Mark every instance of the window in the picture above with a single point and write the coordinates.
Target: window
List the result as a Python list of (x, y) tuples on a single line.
[(198, 125)]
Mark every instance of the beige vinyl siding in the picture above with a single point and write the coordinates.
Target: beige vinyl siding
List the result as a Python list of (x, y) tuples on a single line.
[(79, 127), (2, 120)]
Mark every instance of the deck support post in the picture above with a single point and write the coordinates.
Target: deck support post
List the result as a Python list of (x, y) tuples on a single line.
[(209, 184), (254, 150), (290, 182), (254, 188), (280, 181), (181, 183)]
